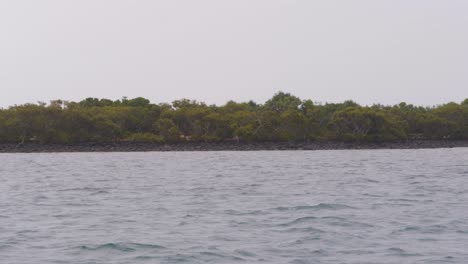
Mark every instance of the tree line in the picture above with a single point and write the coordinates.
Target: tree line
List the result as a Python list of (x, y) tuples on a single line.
[(284, 117)]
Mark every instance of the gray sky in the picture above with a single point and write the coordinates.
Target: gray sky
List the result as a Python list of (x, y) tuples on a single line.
[(369, 51)]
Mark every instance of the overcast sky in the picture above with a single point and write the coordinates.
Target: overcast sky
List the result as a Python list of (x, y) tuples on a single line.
[(369, 51)]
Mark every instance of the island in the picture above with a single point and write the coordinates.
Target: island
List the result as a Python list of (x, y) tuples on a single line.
[(283, 122)]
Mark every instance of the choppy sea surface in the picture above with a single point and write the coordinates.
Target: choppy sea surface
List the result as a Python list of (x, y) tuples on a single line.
[(353, 206)]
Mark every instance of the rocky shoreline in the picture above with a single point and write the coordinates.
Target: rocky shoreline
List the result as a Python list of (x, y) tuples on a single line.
[(225, 146)]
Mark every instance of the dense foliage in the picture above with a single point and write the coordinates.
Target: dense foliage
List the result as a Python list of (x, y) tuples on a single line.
[(282, 118)]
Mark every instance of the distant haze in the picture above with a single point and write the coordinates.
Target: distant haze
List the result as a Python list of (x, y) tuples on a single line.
[(369, 51)]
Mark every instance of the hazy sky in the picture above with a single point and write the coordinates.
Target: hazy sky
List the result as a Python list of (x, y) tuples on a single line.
[(383, 51)]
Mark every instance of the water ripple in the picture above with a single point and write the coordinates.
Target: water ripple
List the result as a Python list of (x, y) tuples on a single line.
[(368, 206)]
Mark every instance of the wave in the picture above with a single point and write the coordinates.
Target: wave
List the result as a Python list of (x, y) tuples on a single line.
[(344, 222), (245, 253), (254, 212), (303, 230), (320, 206), (299, 221), (329, 220), (99, 192), (220, 256), (87, 189), (401, 252), (432, 229), (122, 247)]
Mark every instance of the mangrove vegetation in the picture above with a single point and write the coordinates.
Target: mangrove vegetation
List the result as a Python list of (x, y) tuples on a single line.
[(284, 117)]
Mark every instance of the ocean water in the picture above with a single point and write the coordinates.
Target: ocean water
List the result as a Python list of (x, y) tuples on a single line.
[(353, 206)]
